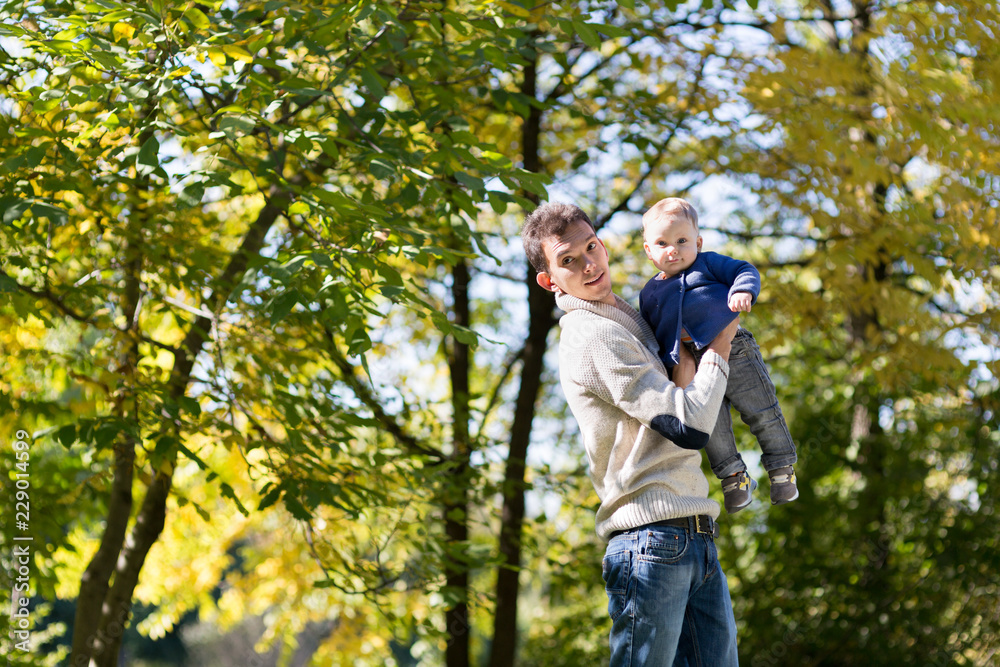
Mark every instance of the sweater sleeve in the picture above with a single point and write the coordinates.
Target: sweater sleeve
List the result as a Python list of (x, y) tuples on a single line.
[(741, 276), (619, 372)]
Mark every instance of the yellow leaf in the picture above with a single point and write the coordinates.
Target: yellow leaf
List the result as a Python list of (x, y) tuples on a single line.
[(298, 208), (177, 73), (515, 9), (197, 18), (238, 53), (217, 56), (123, 31)]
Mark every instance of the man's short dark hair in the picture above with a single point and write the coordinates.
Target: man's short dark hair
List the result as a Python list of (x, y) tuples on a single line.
[(548, 220)]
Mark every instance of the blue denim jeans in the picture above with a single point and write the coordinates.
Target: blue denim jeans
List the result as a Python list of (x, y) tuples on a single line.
[(668, 600), (751, 392)]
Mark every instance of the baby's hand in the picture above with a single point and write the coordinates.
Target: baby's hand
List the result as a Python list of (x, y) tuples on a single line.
[(741, 302)]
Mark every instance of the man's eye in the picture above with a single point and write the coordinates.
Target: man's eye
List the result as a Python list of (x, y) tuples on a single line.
[(591, 246), (567, 260)]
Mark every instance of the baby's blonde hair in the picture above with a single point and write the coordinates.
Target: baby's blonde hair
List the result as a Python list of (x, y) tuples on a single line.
[(671, 207)]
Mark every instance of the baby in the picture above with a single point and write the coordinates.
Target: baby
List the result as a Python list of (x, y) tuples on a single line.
[(693, 298)]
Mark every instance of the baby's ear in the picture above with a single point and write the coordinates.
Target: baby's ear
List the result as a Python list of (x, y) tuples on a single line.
[(699, 243)]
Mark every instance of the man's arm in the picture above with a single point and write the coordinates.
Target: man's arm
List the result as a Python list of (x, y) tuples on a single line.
[(683, 373), (683, 413)]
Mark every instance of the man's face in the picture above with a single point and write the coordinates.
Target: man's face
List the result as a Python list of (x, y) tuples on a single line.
[(672, 244), (578, 265)]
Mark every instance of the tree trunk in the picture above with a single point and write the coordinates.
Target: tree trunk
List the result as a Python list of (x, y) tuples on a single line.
[(540, 321), (90, 637), (456, 495), (103, 607)]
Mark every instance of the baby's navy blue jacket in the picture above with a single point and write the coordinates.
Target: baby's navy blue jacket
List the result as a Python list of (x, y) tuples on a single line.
[(696, 300)]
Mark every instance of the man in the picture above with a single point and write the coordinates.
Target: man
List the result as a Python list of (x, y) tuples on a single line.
[(667, 595)]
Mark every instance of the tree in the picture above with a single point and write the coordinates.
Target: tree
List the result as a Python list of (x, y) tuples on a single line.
[(868, 145), (247, 253), (181, 180)]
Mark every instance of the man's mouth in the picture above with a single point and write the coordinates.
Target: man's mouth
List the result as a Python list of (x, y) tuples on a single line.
[(595, 280)]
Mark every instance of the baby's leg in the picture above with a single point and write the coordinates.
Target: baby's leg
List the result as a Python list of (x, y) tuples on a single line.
[(751, 392), (721, 447), (727, 464)]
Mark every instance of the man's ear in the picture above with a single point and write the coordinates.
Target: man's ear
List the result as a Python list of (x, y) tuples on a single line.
[(544, 281)]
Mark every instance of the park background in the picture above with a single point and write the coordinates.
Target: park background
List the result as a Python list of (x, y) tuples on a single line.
[(288, 382)]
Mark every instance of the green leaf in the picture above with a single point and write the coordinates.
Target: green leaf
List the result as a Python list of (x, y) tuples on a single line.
[(373, 82), (7, 284), (391, 291), (192, 194), (471, 182), (498, 204), (227, 491), (270, 498), (147, 160), (66, 435), (464, 335), (588, 34), (382, 169), (296, 508), (189, 404), (282, 304), (236, 126), (12, 208)]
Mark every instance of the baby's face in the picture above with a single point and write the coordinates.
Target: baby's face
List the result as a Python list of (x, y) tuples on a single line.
[(672, 244)]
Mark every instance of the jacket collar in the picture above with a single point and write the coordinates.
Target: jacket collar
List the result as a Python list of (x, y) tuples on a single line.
[(621, 312)]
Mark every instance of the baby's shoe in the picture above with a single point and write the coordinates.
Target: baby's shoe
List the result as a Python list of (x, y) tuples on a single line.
[(783, 488), (737, 491)]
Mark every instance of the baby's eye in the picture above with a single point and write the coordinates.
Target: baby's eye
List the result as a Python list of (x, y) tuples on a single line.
[(681, 241), (662, 244)]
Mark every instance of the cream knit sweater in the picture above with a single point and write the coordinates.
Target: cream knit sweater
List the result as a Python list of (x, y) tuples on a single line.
[(640, 430)]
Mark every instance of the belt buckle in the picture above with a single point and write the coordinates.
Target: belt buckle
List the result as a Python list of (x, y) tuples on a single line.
[(710, 529)]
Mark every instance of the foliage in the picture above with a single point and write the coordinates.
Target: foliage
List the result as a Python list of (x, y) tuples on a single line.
[(186, 188), (234, 241), (869, 150)]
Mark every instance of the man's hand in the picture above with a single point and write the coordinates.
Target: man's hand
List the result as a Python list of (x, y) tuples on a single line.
[(683, 373), (741, 302), (723, 343)]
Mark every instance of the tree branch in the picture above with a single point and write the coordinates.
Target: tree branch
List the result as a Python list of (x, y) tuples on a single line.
[(364, 393)]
